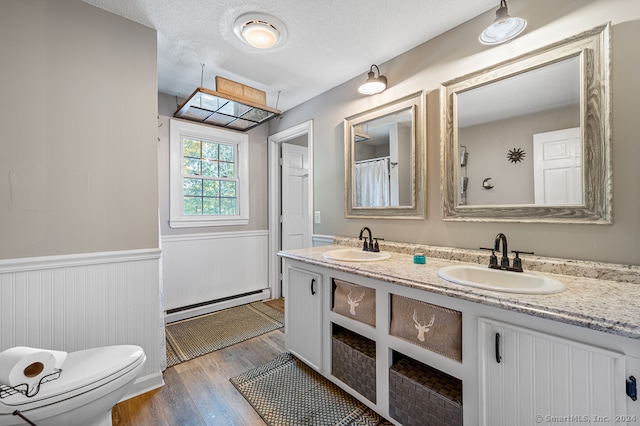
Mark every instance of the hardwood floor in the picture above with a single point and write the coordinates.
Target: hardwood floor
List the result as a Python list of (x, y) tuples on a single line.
[(276, 304), (198, 392)]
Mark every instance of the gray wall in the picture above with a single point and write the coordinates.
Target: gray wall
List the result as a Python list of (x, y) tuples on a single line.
[(454, 54), (78, 139)]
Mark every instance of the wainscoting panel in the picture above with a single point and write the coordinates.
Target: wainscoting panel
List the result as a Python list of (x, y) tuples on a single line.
[(199, 268), (75, 302)]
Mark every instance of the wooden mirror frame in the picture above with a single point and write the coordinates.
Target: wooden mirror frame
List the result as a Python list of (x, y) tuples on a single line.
[(416, 210), (593, 49)]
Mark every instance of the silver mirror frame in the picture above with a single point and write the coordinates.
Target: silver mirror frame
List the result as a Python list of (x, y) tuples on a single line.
[(417, 210), (593, 49)]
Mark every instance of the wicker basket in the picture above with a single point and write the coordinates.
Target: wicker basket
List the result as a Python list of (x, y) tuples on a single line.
[(423, 396), (354, 362)]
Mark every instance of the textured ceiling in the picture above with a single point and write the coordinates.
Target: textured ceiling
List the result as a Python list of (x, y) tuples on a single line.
[(329, 42)]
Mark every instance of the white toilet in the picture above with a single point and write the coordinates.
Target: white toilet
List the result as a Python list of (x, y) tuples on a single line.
[(92, 381)]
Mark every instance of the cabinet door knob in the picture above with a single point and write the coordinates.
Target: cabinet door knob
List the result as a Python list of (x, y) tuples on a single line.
[(313, 281), (498, 356)]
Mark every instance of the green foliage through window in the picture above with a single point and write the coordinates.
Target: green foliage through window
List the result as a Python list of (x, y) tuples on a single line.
[(210, 184)]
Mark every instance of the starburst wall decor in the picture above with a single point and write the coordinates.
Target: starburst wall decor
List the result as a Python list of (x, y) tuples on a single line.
[(516, 155)]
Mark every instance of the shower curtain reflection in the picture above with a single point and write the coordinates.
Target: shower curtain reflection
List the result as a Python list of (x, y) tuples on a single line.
[(371, 181)]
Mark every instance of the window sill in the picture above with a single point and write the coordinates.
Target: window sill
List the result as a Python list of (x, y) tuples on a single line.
[(205, 223)]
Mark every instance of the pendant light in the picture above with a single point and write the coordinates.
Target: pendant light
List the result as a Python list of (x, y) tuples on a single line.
[(504, 28), (373, 84)]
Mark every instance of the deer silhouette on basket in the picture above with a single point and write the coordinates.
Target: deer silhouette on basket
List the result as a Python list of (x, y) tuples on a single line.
[(422, 329)]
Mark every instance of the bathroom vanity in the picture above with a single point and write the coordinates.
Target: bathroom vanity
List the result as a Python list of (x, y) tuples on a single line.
[(464, 354)]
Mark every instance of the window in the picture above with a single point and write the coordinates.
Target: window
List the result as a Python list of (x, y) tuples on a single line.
[(208, 176)]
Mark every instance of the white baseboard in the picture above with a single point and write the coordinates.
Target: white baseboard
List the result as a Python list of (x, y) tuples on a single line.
[(201, 310), (144, 384)]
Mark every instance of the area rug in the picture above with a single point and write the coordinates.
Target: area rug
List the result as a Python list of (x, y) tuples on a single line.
[(193, 337), (286, 392)]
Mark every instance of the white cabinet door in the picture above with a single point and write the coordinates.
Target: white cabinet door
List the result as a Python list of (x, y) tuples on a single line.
[(303, 325), (531, 378)]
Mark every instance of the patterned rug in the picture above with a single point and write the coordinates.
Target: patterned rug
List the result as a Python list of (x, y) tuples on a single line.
[(193, 337), (286, 392)]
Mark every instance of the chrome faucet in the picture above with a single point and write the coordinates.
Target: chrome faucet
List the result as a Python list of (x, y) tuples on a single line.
[(371, 245), (501, 239)]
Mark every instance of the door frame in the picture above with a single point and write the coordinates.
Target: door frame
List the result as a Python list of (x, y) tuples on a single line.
[(275, 185)]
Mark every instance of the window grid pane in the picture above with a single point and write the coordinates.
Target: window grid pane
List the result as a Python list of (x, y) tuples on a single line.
[(209, 178), (191, 148), (192, 205), (210, 168), (192, 187), (210, 150)]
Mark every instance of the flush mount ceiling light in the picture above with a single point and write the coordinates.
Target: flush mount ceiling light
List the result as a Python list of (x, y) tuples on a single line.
[(373, 84), (259, 30), (504, 28)]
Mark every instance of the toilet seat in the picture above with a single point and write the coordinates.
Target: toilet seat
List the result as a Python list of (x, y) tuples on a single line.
[(82, 372)]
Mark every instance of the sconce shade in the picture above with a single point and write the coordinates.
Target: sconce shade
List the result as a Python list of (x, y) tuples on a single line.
[(373, 84), (504, 28)]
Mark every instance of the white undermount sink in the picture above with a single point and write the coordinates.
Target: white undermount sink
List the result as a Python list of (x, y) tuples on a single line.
[(497, 280), (355, 255)]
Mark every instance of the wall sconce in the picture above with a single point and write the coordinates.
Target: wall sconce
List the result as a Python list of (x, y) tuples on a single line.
[(373, 84), (259, 30), (504, 28)]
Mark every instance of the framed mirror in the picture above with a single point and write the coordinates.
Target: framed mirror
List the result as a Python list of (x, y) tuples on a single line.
[(384, 151), (528, 140)]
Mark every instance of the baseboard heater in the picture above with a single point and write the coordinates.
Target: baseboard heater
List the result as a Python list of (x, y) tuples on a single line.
[(211, 302)]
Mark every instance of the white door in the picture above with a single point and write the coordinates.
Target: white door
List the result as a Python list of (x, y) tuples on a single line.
[(295, 197), (557, 162)]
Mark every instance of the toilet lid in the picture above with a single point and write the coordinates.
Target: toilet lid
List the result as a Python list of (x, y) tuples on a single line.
[(84, 370)]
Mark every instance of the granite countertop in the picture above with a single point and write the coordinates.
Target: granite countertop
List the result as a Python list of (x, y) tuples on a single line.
[(599, 304)]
